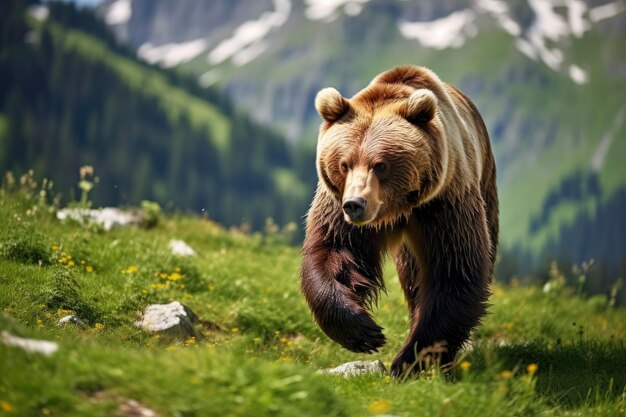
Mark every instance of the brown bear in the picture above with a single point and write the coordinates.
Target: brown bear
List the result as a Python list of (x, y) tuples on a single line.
[(405, 167)]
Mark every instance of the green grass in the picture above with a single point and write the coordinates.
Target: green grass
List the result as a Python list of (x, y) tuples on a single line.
[(260, 349)]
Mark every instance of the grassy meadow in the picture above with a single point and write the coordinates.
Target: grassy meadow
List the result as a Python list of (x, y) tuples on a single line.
[(549, 351)]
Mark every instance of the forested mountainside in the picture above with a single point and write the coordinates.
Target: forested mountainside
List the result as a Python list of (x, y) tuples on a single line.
[(71, 96)]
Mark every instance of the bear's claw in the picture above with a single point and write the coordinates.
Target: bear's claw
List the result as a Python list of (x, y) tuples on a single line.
[(355, 331)]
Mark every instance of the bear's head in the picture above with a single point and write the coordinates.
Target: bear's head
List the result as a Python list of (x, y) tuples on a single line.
[(380, 152)]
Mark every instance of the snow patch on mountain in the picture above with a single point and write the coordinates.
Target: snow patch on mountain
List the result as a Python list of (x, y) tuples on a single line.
[(551, 27), (246, 43), (606, 11), (118, 13), (577, 74), (448, 32), (499, 10), (328, 10), (171, 54)]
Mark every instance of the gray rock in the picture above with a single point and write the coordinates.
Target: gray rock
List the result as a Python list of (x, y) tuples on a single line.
[(356, 368), (173, 319), (133, 408), (179, 247), (108, 217), (43, 347), (71, 319)]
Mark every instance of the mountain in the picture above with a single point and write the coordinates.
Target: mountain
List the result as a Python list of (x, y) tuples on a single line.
[(70, 95), (548, 77)]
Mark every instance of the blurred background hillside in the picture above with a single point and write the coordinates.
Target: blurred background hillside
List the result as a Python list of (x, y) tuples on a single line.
[(206, 106)]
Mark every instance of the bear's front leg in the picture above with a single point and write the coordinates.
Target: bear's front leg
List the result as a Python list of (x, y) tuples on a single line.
[(452, 243), (341, 275)]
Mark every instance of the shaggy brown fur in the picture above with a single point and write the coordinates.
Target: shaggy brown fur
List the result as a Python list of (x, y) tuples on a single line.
[(405, 167)]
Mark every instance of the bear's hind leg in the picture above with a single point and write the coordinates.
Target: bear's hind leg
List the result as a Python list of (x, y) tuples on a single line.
[(452, 240)]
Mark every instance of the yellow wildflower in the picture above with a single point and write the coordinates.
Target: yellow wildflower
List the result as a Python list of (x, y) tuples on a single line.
[(257, 340), (89, 268), (171, 347), (71, 264), (6, 406), (190, 341), (235, 329), (55, 247), (532, 368), (465, 365), (99, 326), (506, 374), (387, 378), (39, 323), (175, 276), (379, 406), (131, 269)]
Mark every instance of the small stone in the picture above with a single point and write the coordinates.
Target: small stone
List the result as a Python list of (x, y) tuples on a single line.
[(133, 408), (71, 319), (108, 217), (178, 247), (356, 368), (44, 347), (173, 319)]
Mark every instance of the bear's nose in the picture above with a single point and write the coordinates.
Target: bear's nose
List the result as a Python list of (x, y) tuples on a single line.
[(354, 207)]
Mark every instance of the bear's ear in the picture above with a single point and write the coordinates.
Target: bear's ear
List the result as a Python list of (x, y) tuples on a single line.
[(420, 107), (331, 105)]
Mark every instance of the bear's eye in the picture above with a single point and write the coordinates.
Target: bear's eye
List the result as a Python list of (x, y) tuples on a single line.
[(380, 168), (344, 167)]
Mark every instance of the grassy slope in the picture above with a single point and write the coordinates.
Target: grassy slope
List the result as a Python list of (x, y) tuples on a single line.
[(260, 348)]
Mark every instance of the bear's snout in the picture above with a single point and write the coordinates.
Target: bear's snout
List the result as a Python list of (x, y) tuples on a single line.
[(354, 207)]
